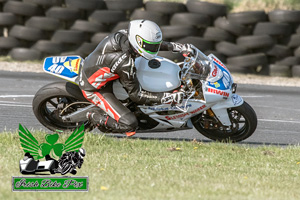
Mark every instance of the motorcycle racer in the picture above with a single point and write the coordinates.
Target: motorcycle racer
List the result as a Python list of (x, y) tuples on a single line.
[(75, 159), (113, 59)]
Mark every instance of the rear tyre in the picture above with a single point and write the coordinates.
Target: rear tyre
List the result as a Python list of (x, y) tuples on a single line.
[(50, 101), (243, 119)]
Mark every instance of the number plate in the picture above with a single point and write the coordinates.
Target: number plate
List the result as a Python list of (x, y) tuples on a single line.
[(66, 67)]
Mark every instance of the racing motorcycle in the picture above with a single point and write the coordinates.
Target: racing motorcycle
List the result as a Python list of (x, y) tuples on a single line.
[(211, 104)]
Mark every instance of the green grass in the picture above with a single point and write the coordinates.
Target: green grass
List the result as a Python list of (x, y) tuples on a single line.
[(150, 169)]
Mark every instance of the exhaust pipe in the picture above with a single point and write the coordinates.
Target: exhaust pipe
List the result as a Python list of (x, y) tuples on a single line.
[(80, 115)]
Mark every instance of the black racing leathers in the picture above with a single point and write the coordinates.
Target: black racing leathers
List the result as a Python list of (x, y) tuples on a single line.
[(113, 59)]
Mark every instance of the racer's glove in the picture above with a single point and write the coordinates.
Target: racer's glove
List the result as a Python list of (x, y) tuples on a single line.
[(184, 49), (174, 98), (176, 47), (187, 50)]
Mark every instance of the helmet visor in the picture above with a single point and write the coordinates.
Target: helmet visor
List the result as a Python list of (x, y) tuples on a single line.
[(149, 47)]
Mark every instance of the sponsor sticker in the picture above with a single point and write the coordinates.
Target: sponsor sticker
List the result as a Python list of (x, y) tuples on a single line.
[(219, 92), (217, 84), (236, 99), (219, 63), (73, 65), (214, 72), (154, 108), (182, 115), (67, 66), (226, 79)]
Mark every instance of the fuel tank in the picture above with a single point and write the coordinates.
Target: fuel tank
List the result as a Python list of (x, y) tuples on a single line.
[(157, 75)]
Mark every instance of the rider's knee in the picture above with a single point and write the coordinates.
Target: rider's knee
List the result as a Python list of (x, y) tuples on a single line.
[(129, 119)]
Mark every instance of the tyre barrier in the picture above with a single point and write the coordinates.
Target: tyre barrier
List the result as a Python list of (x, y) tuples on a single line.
[(248, 42)]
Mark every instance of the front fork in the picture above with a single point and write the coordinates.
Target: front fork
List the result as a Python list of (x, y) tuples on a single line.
[(210, 123)]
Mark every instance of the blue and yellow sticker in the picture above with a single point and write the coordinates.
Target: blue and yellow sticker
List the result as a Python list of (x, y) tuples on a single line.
[(223, 83), (67, 66)]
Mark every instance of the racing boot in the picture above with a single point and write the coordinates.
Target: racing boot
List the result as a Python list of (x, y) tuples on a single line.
[(118, 127), (107, 124), (98, 120)]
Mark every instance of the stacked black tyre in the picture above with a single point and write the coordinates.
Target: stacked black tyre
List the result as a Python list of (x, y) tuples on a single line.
[(270, 41), (248, 42)]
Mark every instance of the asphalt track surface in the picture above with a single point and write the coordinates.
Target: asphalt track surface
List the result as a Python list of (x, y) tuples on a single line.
[(277, 109)]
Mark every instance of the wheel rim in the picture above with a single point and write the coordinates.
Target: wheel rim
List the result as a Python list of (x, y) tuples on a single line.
[(236, 132), (52, 107)]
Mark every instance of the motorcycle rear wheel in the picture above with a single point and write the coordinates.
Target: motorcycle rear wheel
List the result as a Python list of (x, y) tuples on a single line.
[(51, 99), (244, 123)]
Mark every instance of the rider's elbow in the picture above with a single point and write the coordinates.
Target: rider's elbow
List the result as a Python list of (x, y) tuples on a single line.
[(136, 99)]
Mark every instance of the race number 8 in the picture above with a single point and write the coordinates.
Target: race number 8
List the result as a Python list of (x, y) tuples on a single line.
[(57, 69)]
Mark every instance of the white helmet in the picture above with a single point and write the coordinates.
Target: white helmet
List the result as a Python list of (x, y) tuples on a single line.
[(81, 152), (145, 37)]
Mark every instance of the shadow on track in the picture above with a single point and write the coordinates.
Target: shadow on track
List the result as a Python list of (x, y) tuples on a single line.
[(203, 141)]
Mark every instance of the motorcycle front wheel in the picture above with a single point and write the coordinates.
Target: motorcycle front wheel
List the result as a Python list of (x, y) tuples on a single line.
[(66, 169), (243, 119), (57, 99)]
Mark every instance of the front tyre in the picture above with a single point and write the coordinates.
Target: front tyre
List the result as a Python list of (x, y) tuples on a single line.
[(243, 119)]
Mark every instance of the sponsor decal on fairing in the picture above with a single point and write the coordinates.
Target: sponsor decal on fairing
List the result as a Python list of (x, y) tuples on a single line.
[(168, 108), (219, 92), (236, 99), (186, 114)]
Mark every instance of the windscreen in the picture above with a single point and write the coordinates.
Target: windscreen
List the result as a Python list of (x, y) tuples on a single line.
[(201, 67)]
